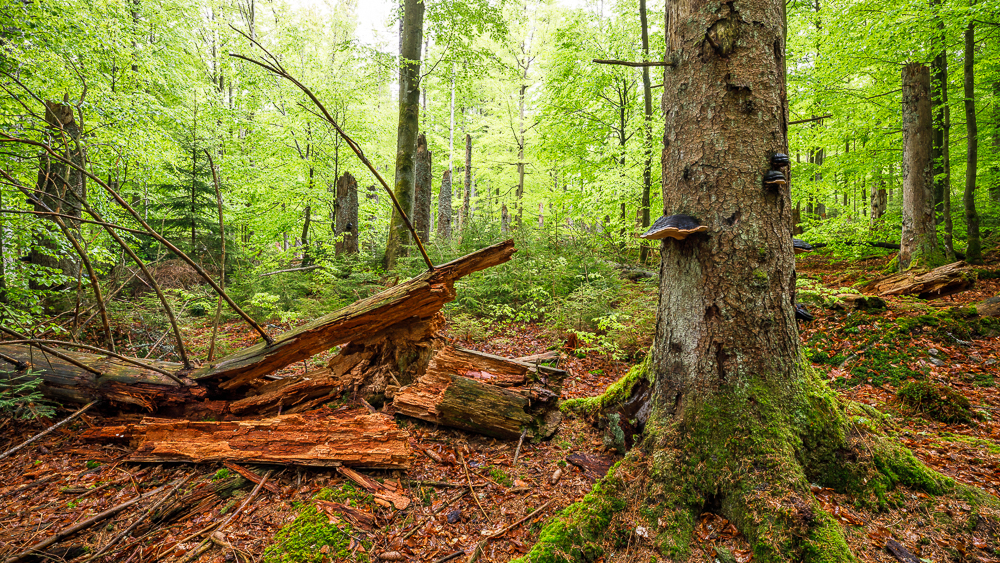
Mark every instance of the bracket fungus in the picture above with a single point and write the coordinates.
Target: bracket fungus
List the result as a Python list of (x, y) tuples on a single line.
[(674, 226), (801, 246), (803, 314), (774, 178), (779, 161)]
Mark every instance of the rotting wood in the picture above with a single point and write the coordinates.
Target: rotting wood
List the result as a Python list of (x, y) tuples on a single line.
[(502, 400), (939, 282), (418, 299), (317, 438), (119, 382), (250, 476), (383, 493), (358, 518), (594, 467)]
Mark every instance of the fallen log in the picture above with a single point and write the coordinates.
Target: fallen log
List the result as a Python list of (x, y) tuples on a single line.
[(118, 382), (322, 437), (486, 394), (939, 282), (414, 301)]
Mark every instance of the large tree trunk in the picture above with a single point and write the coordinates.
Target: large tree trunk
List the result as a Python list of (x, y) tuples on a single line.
[(919, 244), (444, 208), (739, 423), (422, 190), (346, 220), (406, 133), (647, 162), (974, 253)]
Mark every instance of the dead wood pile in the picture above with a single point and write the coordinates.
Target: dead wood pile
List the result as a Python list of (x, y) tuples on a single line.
[(939, 282)]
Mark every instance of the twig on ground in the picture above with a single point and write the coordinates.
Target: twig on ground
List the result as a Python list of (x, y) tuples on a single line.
[(500, 533), (455, 555), (517, 452), (436, 511), (203, 546), (471, 490), (41, 434)]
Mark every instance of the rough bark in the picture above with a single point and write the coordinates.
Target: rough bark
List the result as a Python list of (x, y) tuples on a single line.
[(416, 300), (486, 394), (444, 208), (61, 187), (504, 219), (919, 244), (939, 282), (974, 253), (942, 119), (422, 190), (346, 221), (306, 220), (119, 382), (411, 40), (318, 438), (879, 200)]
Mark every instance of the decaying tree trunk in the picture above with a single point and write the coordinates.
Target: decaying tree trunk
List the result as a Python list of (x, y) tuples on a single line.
[(346, 222), (486, 394), (919, 246), (444, 208), (321, 437), (422, 189), (939, 282), (119, 382)]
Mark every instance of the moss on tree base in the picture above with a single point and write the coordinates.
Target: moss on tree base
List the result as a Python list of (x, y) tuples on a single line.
[(750, 454)]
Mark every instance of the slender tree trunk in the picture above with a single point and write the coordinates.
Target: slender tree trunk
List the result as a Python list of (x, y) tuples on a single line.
[(422, 192), (939, 104), (306, 216), (467, 192), (406, 135), (995, 189), (504, 219), (444, 208), (347, 215), (919, 244), (974, 253)]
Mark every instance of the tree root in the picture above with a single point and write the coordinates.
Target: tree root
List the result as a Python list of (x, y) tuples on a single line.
[(750, 454)]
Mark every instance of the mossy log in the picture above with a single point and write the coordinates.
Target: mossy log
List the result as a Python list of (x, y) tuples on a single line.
[(939, 282), (120, 382), (485, 394), (416, 300), (322, 437)]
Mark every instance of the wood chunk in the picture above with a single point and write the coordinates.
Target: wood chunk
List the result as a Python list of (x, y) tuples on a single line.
[(415, 300), (384, 494), (444, 396), (594, 467), (939, 282), (251, 476), (290, 395), (900, 552), (120, 382), (550, 358), (317, 438), (358, 518)]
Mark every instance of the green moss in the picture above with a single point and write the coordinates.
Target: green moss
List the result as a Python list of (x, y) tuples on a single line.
[(616, 393), (572, 535), (312, 533), (825, 542), (939, 402)]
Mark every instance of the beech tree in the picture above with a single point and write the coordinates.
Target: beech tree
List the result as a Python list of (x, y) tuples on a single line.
[(736, 419)]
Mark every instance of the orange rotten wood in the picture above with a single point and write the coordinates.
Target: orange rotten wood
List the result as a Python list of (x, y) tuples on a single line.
[(416, 300), (322, 437)]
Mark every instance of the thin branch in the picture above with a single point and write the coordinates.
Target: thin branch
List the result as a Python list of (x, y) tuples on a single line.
[(811, 119), (55, 353), (633, 64), (59, 424), (313, 267)]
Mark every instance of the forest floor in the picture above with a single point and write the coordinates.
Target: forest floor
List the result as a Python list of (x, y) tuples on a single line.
[(61, 480)]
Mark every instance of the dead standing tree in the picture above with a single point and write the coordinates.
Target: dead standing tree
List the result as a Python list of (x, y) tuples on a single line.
[(346, 223)]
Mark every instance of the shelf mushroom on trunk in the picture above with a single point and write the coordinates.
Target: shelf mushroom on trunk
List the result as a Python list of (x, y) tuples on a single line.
[(674, 226), (801, 246)]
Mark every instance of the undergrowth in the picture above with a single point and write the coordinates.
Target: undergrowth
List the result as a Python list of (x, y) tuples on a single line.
[(314, 537)]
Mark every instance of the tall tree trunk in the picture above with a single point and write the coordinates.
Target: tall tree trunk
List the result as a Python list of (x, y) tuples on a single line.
[(422, 195), (940, 152), (995, 188), (974, 253), (919, 244), (879, 199), (444, 208), (347, 214), (467, 192), (406, 134), (306, 216)]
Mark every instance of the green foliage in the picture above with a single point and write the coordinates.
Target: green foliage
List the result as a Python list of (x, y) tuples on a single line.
[(221, 474), (939, 402), (21, 397)]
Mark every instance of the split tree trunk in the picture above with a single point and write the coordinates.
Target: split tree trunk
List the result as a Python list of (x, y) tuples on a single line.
[(974, 252), (919, 244), (939, 282), (444, 208), (406, 133), (422, 190), (346, 221)]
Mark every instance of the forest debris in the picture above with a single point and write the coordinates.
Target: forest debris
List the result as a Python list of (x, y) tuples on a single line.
[(556, 475), (384, 495), (900, 552), (484, 393), (989, 307), (415, 300), (358, 518), (549, 357), (204, 545), (939, 282), (250, 476), (317, 438), (59, 424), (594, 467)]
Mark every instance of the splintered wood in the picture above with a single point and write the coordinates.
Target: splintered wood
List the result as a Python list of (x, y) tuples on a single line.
[(939, 282), (485, 394), (322, 437), (415, 300)]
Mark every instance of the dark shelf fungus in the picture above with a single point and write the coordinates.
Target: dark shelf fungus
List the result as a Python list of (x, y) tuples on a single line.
[(803, 314), (801, 246), (780, 160), (773, 179), (674, 226)]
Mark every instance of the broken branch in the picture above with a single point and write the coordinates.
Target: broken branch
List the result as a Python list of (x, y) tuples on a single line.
[(55, 426)]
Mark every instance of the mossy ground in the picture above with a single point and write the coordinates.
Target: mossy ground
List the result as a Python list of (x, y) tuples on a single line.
[(313, 537)]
